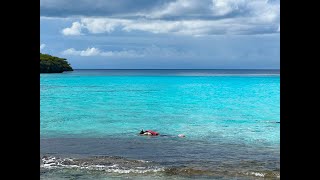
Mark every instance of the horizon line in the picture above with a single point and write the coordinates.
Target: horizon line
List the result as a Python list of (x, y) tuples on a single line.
[(170, 69)]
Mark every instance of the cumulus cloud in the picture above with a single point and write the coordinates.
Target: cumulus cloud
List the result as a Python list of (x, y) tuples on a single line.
[(192, 17), (180, 27), (146, 52), (87, 52), (102, 25), (42, 46), (185, 17), (75, 29)]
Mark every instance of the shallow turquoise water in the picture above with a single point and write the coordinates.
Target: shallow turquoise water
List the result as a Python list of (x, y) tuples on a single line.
[(231, 107), (211, 109)]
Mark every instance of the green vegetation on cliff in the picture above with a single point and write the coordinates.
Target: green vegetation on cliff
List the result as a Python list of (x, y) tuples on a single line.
[(52, 64)]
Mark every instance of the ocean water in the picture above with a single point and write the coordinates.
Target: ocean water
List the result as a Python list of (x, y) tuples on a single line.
[(90, 120)]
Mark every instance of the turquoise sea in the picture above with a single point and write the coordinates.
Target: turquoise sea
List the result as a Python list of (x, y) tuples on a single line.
[(90, 120)]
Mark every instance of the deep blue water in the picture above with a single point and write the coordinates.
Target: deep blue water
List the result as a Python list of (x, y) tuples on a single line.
[(231, 120)]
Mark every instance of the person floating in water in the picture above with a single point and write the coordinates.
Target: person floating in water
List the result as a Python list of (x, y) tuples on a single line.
[(153, 133), (149, 133)]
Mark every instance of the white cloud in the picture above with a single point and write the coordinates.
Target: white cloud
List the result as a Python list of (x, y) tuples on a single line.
[(186, 17), (224, 7), (207, 17), (96, 52), (70, 51), (242, 25), (75, 29), (101, 25), (146, 52), (42, 46), (87, 52), (178, 8), (90, 52), (214, 9)]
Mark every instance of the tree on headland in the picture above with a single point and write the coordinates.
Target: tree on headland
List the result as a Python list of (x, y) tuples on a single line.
[(52, 64)]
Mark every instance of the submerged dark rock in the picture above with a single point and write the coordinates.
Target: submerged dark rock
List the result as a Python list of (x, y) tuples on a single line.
[(52, 64)]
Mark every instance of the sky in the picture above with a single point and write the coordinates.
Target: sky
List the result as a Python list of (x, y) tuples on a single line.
[(162, 34)]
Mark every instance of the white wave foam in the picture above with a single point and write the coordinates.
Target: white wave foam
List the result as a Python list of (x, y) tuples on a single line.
[(143, 161), (54, 163), (257, 174), (127, 171)]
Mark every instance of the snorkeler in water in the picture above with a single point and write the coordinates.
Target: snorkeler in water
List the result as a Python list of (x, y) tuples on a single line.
[(154, 133), (148, 133)]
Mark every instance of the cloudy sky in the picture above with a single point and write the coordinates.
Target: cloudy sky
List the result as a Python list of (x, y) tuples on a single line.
[(157, 34)]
